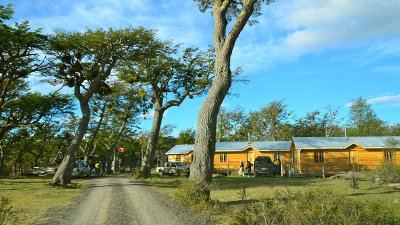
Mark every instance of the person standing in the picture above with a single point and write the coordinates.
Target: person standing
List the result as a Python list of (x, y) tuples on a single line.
[(249, 165), (97, 168), (241, 168)]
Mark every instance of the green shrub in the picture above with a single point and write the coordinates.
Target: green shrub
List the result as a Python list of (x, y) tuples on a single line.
[(315, 206), (196, 196), (7, 214), (387, 173)]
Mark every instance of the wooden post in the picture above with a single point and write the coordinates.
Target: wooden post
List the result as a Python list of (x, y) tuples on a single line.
[(281, 169), (307, 170), (323, 171), (228, 168)]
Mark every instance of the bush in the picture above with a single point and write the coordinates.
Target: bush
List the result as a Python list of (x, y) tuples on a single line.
[(315, 206), (7, 214), (196, 196), (387, 173)]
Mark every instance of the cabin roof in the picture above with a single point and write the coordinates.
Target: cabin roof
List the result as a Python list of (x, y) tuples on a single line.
[(236, 147), (271, 145), (232, 146), (180, 149), (341, 142)]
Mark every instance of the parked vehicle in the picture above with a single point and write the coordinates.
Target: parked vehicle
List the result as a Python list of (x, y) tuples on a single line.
[(173, 168), (51, 170), (264, 165), (81, 168)]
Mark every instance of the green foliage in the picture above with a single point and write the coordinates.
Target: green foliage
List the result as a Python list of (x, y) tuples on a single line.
[(314, 206), (186, 136), (387, 172), (234, 8), (196, 196), (7, 214), (363, 120)]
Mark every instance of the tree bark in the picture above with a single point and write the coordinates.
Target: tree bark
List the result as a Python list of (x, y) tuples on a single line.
[(113, 146), (151, 145), (64, 172), (90, 145), (2, 155), (204, 149)]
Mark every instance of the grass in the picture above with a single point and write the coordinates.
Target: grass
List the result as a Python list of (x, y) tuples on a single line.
[(32, 197), (229, 190)]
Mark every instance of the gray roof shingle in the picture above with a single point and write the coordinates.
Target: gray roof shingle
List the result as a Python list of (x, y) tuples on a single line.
[(180, 149), (272, 145), (341, 142)]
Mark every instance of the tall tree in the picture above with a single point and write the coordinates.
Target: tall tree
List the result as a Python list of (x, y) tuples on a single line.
[(363, 120), (223, 11), (20, 47), (84, 61), (169, 80)]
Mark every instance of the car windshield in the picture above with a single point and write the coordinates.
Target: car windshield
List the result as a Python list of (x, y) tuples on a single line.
[(179, 164)]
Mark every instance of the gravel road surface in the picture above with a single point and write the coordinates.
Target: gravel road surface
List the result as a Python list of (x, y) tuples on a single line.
[(120, 200)]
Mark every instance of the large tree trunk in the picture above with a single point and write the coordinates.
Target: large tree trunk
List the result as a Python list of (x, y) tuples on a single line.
[(64, 172), (113, 146), (90, 145), (204, 149), (2, 155), (203, 163), (151, 146)]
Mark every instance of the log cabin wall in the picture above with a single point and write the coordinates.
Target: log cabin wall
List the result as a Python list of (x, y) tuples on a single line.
[(233, 158)]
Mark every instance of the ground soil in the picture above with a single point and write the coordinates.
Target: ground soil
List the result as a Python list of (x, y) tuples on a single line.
[(121, 200)]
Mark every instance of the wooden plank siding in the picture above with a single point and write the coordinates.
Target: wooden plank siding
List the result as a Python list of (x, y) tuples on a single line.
[(185, 158), (250, 154), (339, 160)]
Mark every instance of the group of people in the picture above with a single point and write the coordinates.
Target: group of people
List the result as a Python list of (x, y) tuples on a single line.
[(248, 167), (98, 169)]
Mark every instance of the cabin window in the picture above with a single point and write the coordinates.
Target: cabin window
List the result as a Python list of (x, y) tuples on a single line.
[(388, 155), (223, 157), (178, 158), (318, 156), (277, 156)]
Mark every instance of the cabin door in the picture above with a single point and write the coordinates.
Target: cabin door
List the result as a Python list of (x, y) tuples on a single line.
[(353, 157)]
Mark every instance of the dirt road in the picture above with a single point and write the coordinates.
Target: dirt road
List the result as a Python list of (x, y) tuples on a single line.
[(121, 200)]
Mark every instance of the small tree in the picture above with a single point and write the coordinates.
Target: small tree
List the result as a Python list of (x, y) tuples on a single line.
[(392, 145)]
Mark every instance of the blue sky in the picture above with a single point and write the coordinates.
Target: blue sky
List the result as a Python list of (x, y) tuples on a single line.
[(311, 53)]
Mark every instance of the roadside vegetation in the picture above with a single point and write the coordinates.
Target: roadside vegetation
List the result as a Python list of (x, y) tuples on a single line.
[(266, 200), (25, 200)]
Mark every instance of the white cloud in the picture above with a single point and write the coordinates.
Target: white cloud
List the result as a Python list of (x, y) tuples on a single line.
[(387, 98), (224, 106), (150, 115), (389, 69), (316, 25)]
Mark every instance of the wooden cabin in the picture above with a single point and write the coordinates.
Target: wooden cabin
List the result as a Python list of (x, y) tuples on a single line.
[(228, 154), (181, 153), (330, 155)]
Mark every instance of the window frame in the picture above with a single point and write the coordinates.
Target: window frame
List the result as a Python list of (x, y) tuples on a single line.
[(223, 157), (319, 157)]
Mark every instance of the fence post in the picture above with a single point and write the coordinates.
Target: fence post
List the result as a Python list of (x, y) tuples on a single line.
[(281, 169), (323, 171), (228, 169), (288, 170)]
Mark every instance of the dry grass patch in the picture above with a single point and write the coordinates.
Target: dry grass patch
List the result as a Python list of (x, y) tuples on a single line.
[(32, 197)]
